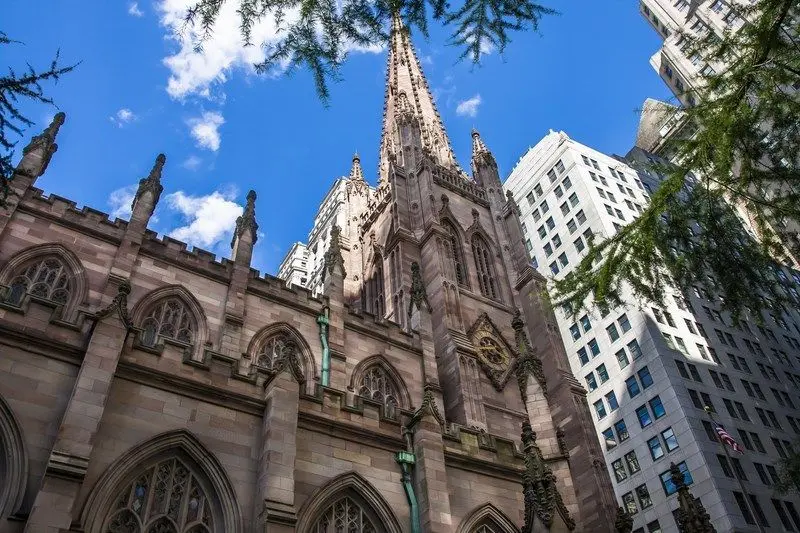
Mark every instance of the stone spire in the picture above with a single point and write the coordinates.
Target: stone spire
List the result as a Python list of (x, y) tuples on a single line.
[(690, 515), (408, 96), (247, 220), (46, 143), (481, 156), (355, 171), (151, 183)]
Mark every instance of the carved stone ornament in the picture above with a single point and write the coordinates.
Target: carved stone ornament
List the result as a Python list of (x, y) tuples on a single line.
[(495, 356), (541, 495), (562, 444), (151, 183), (428, 407), (690, 515), (247, 220), (118, 305), (47, 142), (528, 363), (334, 254), (418, 295), (623, 522)]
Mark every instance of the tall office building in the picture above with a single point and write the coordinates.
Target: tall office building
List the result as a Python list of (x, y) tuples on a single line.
[(294, 267), (681, 69), (651, 370)]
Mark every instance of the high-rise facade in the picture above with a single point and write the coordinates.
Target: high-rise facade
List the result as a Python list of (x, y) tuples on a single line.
[(146, 387), (295, 265), (651, 370), (680, 69)]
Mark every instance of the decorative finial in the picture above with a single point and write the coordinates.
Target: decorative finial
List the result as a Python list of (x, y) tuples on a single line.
[(151, 183), (47, 141), (334, 255), (247, 220), (356, 173)]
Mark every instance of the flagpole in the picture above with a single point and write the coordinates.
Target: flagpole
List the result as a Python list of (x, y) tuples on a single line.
[(745, 494)]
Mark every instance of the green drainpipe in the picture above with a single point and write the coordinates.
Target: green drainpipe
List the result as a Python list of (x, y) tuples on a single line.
[(406, 460), (323, 322)]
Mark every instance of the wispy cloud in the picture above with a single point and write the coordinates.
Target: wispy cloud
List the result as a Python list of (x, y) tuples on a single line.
[(120, 201), (192, 162), (205, 129), (195, 72), (133, 9), (208, 219), (469, 107), (122, 117)]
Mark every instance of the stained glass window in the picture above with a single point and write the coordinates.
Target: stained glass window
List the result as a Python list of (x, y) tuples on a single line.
[(455, 254), (275, 348), (165, 498), (378, 386), (345, 515), (169, 318), (484, 267), (47, 278)]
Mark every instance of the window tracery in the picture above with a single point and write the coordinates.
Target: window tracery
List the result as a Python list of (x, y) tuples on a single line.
[(169, 318), (344, 515), (456, 256), (48, 278), (485, 528), (484, 267), (165, 498), (377, 385), (276, 348)]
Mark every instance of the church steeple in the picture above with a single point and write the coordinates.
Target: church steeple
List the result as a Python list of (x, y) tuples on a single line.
[(408, 98)]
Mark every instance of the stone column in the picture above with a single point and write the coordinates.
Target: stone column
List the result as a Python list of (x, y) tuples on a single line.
[(570, 410), (244, 238), (53, 509), (433, 492), (276, 459)]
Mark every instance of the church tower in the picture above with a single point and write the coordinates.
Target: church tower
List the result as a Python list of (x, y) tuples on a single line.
[(442, 253)]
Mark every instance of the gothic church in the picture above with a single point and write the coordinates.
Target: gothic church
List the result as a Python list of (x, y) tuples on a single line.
[(149, 388)]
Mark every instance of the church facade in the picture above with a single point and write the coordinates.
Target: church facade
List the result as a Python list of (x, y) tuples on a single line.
[(148, 388)]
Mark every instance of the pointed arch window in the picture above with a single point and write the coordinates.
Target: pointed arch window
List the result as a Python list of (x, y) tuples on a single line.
[(47, 278), (276, 348), (169, 318), (454, 248), (165, 498), (375, 293), (485, 528), (484, 267), (377, 385), (344, 515)]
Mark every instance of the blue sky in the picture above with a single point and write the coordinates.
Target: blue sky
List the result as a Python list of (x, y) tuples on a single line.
[(139, 91)]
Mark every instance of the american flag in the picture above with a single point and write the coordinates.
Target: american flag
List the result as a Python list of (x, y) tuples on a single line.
[(726, 438)]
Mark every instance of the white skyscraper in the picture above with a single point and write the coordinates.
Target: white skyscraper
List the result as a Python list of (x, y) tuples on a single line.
[(649, 371), (342, 206), (294, 267), (680, 69)]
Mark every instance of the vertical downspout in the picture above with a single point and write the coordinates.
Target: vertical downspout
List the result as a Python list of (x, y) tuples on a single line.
[(406, 459), (323, 322)]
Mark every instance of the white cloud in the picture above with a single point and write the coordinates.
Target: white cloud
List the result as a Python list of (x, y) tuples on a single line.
[(192, 162), (205, 129), (121, 200), (122, 117), (469, 107), (209, 219), (133, 9), (196, 72)]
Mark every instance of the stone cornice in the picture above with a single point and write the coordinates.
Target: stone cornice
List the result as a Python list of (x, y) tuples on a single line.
[(312, 421), (223, 397)]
